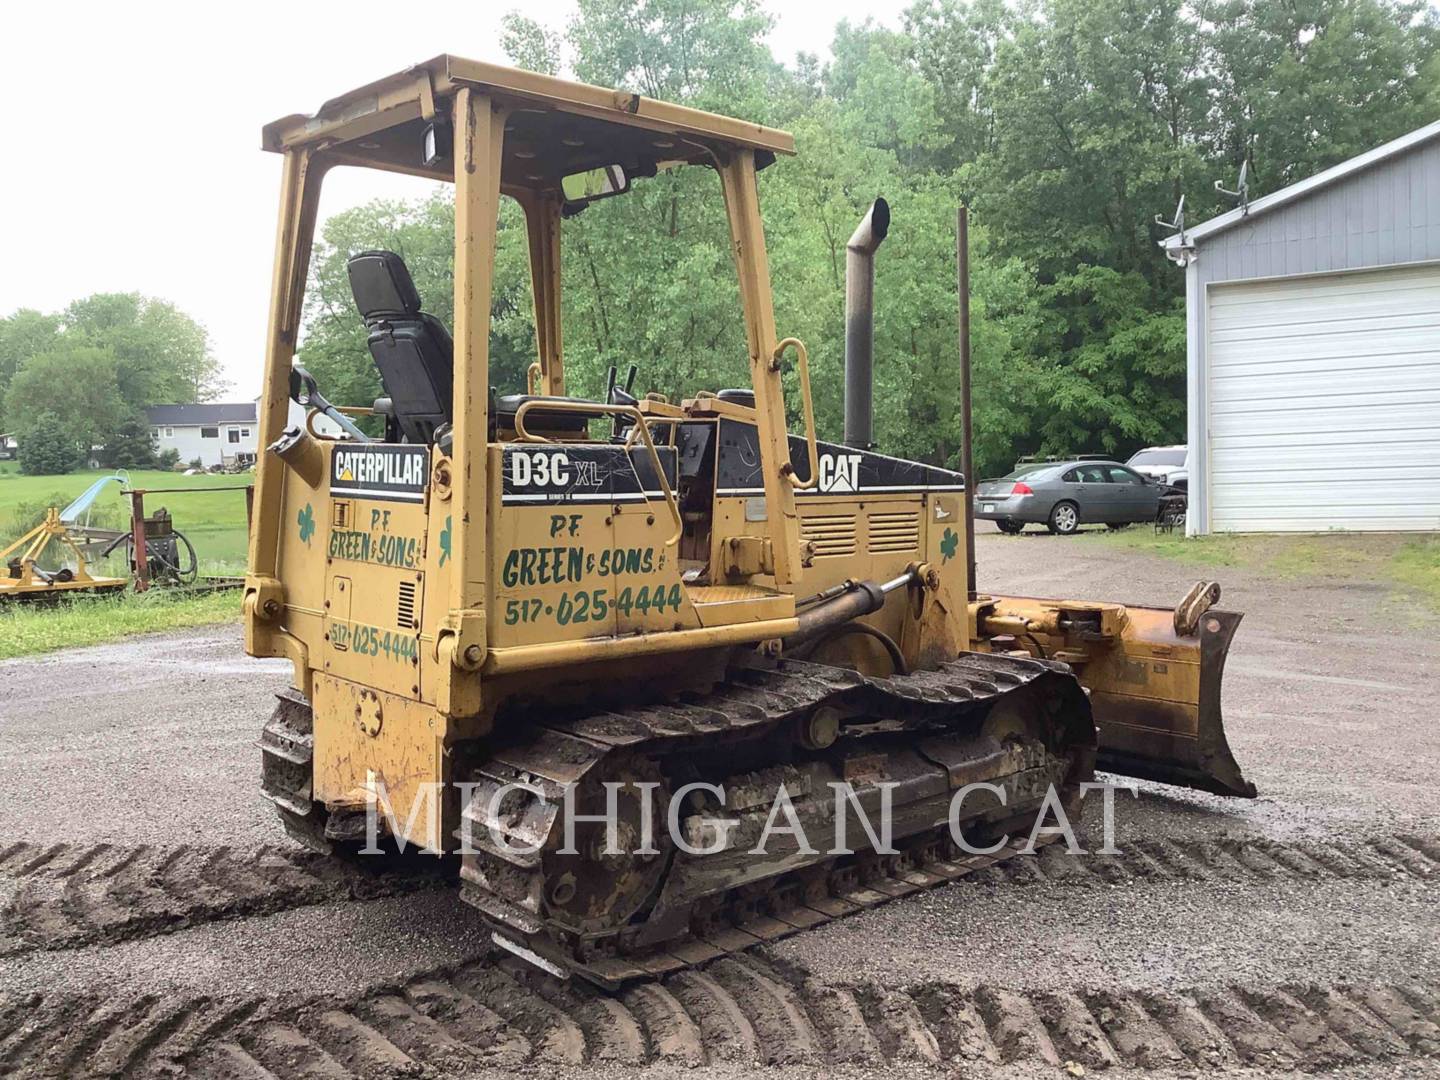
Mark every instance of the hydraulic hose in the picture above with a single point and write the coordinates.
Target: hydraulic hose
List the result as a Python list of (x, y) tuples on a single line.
[(897, 658), (855, 600)]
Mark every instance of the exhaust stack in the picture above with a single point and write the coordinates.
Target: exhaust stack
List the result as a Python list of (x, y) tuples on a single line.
[(860, 324)]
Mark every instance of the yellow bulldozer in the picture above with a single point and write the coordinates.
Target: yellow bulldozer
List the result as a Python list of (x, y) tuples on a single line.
[(513, 615)]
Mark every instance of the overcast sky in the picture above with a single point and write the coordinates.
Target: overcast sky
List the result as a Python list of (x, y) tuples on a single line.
[(132, 135)]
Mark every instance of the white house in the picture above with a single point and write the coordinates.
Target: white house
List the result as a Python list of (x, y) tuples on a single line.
[(218, 434), (1314, 350)]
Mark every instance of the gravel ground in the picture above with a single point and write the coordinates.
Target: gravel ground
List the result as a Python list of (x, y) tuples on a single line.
[(148, 745), (325, 949), (1328, 690), (150, 741), (1140, 935)]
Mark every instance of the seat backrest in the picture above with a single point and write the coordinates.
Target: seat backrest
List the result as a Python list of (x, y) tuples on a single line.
[(413, 350), (738, 396)]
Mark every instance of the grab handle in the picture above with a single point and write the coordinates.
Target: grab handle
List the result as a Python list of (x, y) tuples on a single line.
[(802, 363)]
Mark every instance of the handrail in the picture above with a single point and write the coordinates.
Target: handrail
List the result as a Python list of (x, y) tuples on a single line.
[(802, 360), (595, 408), (340, 419), (310, 415), (673, 421), (533, 374)]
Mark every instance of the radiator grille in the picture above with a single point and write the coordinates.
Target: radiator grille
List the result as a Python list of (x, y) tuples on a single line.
[(832, 534), (895, 531), (405, 614)]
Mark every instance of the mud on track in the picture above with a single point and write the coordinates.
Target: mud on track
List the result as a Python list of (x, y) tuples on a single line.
[(61, 896), (737, 1010)]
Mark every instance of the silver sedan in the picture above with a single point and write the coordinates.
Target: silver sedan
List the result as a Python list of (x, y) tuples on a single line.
[(1063, 495)]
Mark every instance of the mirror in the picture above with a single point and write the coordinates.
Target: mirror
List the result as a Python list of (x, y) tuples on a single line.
[(592, 184), (303, 387)]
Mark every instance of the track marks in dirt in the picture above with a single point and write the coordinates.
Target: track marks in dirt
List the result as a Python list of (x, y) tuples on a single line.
[(1227, 859), (739, 1009), (63, 896)]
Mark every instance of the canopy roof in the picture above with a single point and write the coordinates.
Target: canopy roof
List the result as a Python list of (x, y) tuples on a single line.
[(554, 127)]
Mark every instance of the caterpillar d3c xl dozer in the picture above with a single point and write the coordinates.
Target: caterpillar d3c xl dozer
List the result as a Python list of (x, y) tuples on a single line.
[(511, 598)]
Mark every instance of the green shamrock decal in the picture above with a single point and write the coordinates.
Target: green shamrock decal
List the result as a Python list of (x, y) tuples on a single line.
[(948, 543), (445, 541), (307, 524)]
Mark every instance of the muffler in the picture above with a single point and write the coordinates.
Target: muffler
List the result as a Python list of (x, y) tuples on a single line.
[(860, 324)]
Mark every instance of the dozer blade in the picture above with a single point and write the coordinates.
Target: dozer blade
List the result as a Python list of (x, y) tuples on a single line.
[(1157, 704), (1154, 677)]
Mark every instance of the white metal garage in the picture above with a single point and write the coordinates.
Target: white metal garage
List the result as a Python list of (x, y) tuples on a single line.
[(1325, 402), (1312, 320)]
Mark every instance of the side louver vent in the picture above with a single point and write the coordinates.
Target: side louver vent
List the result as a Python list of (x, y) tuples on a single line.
[(894, 531), (405, 613), (832, 534)]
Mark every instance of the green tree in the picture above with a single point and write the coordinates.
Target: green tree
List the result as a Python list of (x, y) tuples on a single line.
[(1066, 125), (648, 278), (161, 354), (529, 44), (73, 383), (154, 353), (130, 446), (706, 53), (24, 334), (49, 447), (1303, 85), (953, 43)]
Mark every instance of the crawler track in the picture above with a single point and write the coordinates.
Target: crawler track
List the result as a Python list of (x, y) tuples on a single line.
[(933, 861), (738, 1010), (700, 913), (62, 896)]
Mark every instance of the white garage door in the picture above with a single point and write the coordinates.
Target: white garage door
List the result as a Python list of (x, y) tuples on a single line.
[(1325, 402)]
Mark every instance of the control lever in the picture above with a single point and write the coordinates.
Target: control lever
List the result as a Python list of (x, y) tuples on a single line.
[(305, 391), (618, 395)]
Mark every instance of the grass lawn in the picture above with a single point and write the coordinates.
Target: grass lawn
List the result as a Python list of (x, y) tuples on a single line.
[(214, 521), (27, 628), (1408, 563), (1417, 566)]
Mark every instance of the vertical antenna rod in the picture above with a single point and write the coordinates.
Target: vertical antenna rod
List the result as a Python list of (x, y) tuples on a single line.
[(967, 458)]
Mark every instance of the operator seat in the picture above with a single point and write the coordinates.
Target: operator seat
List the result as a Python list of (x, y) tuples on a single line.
[(416, 356), (505, 407), (412, 349)]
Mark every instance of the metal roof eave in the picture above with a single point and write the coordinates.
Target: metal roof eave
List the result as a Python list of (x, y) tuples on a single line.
[(406, 94), (1301, 188)]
